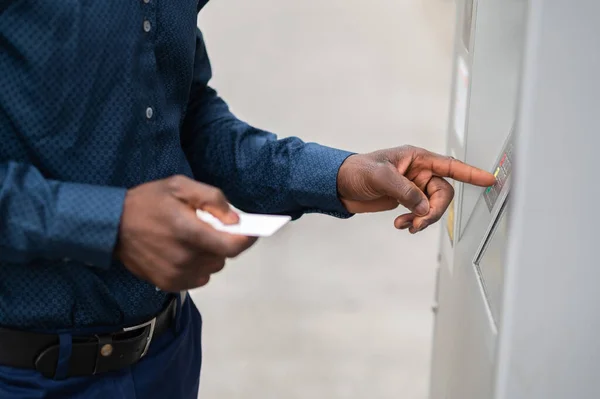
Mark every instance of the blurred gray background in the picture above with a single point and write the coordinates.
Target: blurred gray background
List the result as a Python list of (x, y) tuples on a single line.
[(329, 308)]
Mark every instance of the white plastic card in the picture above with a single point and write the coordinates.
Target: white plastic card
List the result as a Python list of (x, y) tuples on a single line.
[(251, 225)]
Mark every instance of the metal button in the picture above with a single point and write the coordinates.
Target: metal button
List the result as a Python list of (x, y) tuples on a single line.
[(149, 112), (147, 26), (146, 1), (106, 350)]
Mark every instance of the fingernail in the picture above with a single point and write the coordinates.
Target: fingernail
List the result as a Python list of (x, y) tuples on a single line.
[(422, 208)]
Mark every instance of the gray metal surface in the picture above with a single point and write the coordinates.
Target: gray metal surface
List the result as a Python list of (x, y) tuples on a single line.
[(492, 264), (469, 296), (542, 295), (495, 73), (549, 345)]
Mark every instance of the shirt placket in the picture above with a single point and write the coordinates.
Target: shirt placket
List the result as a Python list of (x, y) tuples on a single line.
[(148, 60), (148, 105)]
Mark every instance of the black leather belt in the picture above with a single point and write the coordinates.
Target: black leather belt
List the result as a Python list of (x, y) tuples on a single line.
[(90, 355)]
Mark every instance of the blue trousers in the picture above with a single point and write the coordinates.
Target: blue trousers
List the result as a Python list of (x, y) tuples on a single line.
[(170, 370)]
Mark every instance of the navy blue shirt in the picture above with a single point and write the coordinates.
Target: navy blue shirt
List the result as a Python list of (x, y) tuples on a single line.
[(100, 96)]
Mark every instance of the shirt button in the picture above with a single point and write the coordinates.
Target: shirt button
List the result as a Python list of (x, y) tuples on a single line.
[(147, 26), (146, 1), (149, 112)]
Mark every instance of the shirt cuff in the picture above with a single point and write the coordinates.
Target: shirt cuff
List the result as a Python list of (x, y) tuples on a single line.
[(314, 180), (86, 223)]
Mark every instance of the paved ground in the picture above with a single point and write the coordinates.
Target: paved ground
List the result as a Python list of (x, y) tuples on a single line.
[(329, 308)]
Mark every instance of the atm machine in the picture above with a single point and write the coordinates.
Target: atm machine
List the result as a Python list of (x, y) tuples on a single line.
[(517, 302)]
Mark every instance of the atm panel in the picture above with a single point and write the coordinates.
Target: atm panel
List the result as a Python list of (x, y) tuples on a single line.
[(491, 265), (495, 81), (478, 286)]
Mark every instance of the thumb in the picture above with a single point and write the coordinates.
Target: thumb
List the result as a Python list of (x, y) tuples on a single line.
[(204, 197), (388, 181)]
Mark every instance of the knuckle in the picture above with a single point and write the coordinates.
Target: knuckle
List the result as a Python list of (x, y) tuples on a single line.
[(434, 218), (440, 185), (451, 191), (172, 275), (217, 265), (232, 252), (233, 248), (202, 281), (452, 164), (216, 196), (407, 148), (181, 260), (181, 227), (218, 247), (175, 183)]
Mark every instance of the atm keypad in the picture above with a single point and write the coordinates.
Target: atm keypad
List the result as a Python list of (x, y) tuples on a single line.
[(502, 172)]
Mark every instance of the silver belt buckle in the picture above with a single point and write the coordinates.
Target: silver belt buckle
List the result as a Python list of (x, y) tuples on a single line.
[(152, 324)]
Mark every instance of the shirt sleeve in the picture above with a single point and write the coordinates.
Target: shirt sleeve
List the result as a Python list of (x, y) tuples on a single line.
[(257, 171), (42, 218)]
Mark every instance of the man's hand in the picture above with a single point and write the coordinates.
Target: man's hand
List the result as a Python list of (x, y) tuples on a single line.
[(161, 240), (412, 177)]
